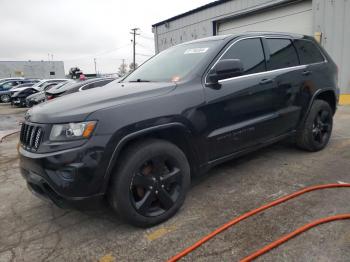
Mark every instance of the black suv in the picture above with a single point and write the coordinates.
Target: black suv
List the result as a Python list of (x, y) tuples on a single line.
[(138, 141)]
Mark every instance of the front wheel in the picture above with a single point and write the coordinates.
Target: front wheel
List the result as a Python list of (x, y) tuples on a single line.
[(151, 182), (5, 98), (317, 129)]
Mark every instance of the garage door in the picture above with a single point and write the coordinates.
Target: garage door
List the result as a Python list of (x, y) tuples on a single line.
[(293, 18)]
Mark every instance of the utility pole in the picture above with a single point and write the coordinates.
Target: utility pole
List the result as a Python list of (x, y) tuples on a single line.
[(95, 66), (134, 33), (124, 67)]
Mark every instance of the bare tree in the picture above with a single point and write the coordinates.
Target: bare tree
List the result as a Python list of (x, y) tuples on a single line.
[(132, 67), (122, 70)]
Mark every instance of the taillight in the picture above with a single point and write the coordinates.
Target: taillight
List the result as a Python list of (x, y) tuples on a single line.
[(49, 97)]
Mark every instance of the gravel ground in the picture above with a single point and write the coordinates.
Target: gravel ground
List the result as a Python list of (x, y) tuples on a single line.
[(33, 230)]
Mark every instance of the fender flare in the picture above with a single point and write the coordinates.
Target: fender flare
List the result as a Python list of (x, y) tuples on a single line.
[(134, 135), (312, 100)]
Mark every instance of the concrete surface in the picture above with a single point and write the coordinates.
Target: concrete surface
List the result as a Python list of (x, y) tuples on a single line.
[(33, 230)]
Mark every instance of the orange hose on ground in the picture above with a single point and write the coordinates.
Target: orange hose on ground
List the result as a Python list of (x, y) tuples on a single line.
[(249, 214), (293, 234)]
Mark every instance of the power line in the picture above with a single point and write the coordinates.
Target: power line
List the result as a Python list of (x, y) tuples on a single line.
[(144, 54), (96, 54), (146, 32), (147, 38), (146, 47)]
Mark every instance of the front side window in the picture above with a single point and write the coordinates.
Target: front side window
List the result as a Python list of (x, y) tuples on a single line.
[(251, 54), (282, 54), (9, 85), (172, 64), (308, 52)]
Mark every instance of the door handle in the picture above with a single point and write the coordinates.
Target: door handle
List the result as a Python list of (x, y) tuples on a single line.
[(266, 81), (306, 73)]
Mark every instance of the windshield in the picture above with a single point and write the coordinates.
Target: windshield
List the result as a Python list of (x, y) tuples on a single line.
[(60, 85), (172, 64), (39, 84)]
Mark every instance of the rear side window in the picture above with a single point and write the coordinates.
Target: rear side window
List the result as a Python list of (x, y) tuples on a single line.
[(309, 53), (251, 54), (282, 54)]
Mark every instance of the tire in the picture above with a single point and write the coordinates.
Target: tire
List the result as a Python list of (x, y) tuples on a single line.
[(143, 191), (5, 98), (317, 129), (23, 103)]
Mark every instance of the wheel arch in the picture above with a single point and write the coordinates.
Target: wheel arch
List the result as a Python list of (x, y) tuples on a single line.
[(176, 133), (327, 95)]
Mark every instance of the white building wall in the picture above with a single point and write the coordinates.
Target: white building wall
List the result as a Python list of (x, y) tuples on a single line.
[(34, 69)]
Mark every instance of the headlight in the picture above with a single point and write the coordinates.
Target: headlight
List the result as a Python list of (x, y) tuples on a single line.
[(72, 131)]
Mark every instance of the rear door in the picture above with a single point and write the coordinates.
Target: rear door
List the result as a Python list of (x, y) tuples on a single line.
[(242, 112), (286, 72), (313, 74)]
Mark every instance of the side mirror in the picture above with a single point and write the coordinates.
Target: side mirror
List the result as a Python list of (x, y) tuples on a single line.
[(225, 68)]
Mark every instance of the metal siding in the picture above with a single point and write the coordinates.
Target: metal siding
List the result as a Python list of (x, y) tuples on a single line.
[(293, 18), (200, 24), (331, 18)]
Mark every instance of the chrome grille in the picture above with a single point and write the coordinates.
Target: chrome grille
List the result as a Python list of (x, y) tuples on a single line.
[(31, 136)]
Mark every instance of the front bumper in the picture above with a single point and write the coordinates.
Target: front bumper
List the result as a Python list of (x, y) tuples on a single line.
[(72, 178), (15, 101), (41, 188)]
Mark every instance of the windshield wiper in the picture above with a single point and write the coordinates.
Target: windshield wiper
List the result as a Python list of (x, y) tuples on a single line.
[(139, 80)]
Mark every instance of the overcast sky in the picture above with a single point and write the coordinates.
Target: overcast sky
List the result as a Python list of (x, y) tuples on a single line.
[(77, 31)]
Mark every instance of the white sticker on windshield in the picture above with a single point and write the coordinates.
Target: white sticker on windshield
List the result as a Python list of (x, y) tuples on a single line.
[(196, 50)]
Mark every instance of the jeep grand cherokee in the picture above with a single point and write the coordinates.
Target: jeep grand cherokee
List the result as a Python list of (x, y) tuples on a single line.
[(137, 142)]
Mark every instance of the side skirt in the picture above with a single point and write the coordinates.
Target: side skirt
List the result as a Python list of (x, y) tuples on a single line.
[(245, 151)]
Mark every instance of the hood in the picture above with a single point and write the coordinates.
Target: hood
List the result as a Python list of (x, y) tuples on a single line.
[(77, 106), (18, 89)]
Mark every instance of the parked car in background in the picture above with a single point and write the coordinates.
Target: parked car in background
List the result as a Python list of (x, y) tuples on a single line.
[(10, 78), (40, 97), (76, 87), (40, 85), (29, 84), (88, 84), (7, 86), (19, 98)]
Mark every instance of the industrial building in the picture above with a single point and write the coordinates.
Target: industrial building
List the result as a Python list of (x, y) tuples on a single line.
[(327, 20), (32, 69)]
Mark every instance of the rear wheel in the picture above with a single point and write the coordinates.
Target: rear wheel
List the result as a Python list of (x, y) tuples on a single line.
[(5, 98), (317, 129), (151, 182)]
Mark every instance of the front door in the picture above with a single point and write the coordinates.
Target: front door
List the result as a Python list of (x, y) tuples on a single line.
[(241, 113)]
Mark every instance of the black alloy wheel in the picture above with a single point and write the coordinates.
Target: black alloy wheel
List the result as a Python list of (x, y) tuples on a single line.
[(156, 186), (321, 128), (150, 182), (316, 131)]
